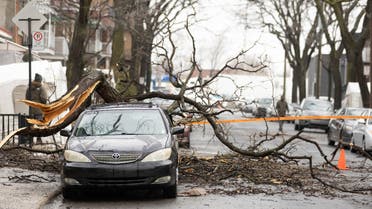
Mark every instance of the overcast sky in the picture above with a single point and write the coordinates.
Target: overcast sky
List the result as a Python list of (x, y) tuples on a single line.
[(219, 23)]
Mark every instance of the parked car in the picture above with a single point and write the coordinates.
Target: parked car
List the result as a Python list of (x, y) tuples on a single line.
[(341, 130), (362, 134), (292, 110), (246, 105), (263, 107), (314, 107), (128, 145)]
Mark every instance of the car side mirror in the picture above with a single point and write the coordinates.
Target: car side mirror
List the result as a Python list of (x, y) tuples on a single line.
[(65, 132), (178, 130)]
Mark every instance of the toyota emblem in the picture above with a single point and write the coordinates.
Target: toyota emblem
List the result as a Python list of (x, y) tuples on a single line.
[(115, 156)]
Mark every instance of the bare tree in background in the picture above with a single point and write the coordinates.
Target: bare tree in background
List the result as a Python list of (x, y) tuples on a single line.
[(294, 24), (86, 17), (329, 28), (354, 37), (257, 146), (137, 24)]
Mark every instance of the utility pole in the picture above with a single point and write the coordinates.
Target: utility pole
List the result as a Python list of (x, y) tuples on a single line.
[(319, 61), (285, 70)]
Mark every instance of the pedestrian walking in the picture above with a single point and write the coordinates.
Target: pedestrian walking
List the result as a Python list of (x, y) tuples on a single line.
[(38, 94), (282, 109)]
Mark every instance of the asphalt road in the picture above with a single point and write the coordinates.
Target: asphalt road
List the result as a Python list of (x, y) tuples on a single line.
[(204, 143)]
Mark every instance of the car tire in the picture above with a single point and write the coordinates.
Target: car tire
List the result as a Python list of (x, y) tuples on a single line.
[(331, 143), (296, 127), (170, 191), (70, 193), (300, 127), (352, 149), (326, 130)]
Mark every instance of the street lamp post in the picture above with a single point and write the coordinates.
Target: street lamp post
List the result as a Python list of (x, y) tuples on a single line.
[(29, 37)]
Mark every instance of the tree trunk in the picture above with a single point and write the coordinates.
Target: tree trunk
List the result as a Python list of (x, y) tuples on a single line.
[(146, 63), (294, 86), (359, 68), (75, 63), (302, 85), (334, 68)]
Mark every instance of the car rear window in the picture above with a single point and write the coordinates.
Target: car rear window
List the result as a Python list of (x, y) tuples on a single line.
[(318, 105), (121, 122)]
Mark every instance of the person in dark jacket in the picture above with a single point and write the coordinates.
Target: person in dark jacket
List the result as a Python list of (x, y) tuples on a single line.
[(282, 108), (38, 94)]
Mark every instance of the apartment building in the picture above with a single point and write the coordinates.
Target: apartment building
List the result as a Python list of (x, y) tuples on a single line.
[(56, 33)]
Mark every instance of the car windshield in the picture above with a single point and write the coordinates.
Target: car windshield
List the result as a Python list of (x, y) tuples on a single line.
[(265, 101), (121, 122), (317, 105), (355, 112)]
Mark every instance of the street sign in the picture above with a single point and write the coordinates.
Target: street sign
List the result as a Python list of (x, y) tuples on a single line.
[(27, 20), (37, 36), (29, 11), (39, 40)]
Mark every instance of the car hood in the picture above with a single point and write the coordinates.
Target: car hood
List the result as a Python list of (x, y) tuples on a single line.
[(351, 122), (130, 143)]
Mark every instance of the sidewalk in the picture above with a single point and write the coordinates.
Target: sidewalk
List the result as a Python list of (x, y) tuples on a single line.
[(21, 188)]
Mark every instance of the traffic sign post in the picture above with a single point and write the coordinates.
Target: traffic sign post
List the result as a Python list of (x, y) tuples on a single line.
[(24, 19), (29, 36)]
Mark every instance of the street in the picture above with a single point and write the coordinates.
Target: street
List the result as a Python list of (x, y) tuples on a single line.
[(242, 133), (204, 144), (33, 195)]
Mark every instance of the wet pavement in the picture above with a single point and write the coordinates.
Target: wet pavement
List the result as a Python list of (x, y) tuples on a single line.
[(39, 193)]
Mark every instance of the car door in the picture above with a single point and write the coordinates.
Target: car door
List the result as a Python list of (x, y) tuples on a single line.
[(335, 126), (359, 130)]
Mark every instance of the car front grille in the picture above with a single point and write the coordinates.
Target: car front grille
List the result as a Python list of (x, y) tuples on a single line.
[(115, 157), (121, 181)]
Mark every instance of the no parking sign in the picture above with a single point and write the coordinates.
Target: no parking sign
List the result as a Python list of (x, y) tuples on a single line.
[(38, 40)]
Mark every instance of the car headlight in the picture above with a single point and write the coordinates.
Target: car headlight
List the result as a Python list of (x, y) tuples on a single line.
[(73, 156), (163, 154)]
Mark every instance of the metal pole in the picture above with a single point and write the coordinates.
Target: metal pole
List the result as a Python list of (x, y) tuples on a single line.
[(285, 72), (319, 68), (29, 63), (29, 37), (319, 63)]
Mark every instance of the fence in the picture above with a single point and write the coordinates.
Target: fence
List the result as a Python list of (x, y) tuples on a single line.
[(12, 122)]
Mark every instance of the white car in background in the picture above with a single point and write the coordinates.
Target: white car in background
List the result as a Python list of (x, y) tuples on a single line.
[(314, 107), (362, 134)]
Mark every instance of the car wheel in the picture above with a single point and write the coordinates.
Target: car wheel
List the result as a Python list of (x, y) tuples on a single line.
[(352, 149), (296, 127), (331, 143), (70, 193), (326, 130), (170, 191)]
